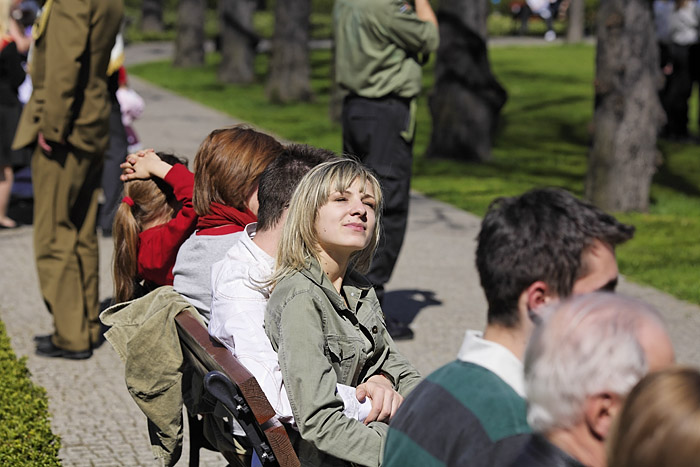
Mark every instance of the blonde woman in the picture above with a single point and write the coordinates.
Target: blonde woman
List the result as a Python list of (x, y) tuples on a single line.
[(659, 424), (324, 320)]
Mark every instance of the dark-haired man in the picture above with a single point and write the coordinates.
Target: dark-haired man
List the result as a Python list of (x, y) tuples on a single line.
[(532, 250)]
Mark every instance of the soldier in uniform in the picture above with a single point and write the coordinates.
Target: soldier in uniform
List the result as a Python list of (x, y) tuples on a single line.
[(67, 116), (380, 47)]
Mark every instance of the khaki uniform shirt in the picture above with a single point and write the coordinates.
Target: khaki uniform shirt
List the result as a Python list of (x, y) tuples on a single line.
[(378, 44), (70, 101), (321, 342)]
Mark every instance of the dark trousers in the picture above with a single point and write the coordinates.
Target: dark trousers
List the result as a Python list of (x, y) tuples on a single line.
[(679, 88), (114, 156), (379, 132), (65, 242)]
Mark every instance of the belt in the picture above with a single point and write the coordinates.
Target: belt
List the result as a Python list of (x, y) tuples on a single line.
[(388, 97)]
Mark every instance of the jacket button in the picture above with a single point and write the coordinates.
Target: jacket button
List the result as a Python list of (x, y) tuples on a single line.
[(374, 329)]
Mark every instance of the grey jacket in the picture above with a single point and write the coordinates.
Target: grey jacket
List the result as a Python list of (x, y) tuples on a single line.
[(321, 342)]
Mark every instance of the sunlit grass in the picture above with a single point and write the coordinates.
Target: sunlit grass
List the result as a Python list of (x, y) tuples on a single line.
[(544, 138)]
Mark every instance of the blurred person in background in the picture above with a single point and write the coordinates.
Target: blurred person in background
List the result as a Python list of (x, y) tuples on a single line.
[(684, 22), (11, 77), (660, 422)]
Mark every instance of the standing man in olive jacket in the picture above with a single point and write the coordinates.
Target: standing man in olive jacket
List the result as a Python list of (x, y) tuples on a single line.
[(380, 47), (67, 116)]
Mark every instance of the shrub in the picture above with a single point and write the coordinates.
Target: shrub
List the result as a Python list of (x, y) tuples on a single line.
[(25, 431)]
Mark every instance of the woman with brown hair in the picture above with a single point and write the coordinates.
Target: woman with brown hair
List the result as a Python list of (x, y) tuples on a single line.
[(659, 424), (227, 169)]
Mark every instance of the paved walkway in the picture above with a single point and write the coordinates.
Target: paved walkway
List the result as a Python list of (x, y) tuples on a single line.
[(435, 286)]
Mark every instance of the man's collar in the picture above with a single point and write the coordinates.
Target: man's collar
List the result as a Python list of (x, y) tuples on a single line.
[(495, 358), (258, 253)]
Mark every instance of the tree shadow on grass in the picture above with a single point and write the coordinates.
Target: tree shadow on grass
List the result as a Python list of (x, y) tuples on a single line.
[(404, 305), (514, 76), (676, 182), (544, 103)]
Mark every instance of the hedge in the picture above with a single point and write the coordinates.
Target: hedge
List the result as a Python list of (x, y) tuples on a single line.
[(25, 430)]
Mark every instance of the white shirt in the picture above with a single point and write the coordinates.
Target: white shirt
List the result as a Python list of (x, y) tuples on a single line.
[(495, 358), (237, 320), (683, 24), (540, 7)]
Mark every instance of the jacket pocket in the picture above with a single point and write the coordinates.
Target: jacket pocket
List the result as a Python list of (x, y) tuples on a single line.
[(342, 354)]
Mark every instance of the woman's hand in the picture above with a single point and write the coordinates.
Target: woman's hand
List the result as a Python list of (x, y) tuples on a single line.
[(385, 400)]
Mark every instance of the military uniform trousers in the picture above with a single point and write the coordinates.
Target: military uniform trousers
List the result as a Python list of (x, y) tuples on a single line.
[(65, 242)]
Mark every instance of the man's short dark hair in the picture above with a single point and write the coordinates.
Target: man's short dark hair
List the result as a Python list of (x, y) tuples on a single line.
[(281, 177), (540, 235)]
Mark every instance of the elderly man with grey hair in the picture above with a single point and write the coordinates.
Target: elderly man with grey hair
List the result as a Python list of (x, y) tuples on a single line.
[(579, 366)]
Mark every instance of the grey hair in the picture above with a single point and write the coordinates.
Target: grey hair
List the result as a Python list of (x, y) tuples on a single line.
[(585, 346)]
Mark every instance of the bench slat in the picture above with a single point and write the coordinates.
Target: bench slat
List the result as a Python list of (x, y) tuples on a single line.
[(207, 354)]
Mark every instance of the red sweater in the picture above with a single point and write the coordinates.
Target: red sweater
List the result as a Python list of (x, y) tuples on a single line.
[(158, 245)]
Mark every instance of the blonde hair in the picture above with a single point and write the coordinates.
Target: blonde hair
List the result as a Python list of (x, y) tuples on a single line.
[(659, 424), (228, 165), (299, 241), (153, 203)]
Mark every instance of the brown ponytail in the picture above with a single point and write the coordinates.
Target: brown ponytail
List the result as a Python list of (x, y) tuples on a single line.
[(125, 232)]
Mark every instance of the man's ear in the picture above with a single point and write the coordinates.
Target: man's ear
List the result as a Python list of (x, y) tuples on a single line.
[(538, 294), (600, 411)]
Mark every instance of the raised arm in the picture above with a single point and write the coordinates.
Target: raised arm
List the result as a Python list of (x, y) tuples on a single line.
[(158, 247)]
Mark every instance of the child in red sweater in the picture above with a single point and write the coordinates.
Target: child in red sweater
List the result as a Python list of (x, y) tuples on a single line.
[(155, 217)]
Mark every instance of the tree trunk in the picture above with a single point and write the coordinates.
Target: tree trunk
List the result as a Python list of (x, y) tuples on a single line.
[(290, 70), (574, 32), (628, 114), (189, 42), (467, 99), (152, 16), (238, 41)]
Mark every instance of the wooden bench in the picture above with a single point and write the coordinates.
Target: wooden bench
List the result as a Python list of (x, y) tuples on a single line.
[(234, 394)]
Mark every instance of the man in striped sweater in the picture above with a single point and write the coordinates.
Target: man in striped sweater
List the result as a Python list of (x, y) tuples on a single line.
[(532, 250)]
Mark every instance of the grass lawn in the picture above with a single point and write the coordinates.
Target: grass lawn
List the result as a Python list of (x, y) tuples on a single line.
[(543, 142)]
